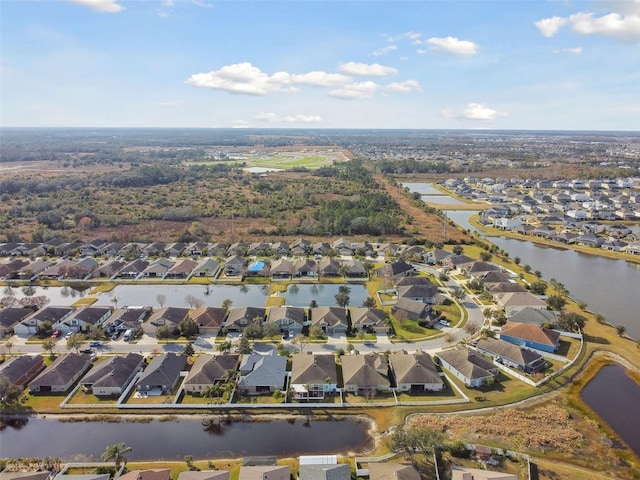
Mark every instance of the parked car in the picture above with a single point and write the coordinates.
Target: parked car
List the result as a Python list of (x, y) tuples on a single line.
[(116, 335), (68, 335), (56, 334), (444, 323), (95, 344)]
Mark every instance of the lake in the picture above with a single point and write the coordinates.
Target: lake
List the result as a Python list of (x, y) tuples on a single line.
[(615, 398), (172, 440), (323, 294)]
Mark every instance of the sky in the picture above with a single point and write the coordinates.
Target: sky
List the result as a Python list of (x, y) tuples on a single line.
[(520, 64)]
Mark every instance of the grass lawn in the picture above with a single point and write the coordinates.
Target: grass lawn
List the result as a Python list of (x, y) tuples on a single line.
[(363, 399), (250, 399), (407, 330), (81, 397), (505, 390), (569, 347), (189, 399)]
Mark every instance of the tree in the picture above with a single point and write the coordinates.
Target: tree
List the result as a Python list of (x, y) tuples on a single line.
[(74, 342), (161, 299), (414, 440), (600, 318), (9, 345), (571, 322), (315, 332), (226, 303), (48, 345), (270, 330), (556, 302), (457, 250), (224, 346), (538, 288), (621, 329), (211, 391), (188, 328), (471, 328), (516, 260), (342, 297), (193, 301), (9, 393), (485, 256), (244, 347), (116, 453), (188, 350), (45, 329), (254, 330), (300, 341), (164, 332), (369, 302), (313, 304), (457, 294), (476, 285)]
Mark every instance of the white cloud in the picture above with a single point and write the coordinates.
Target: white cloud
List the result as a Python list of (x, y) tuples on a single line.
[(550, 26), (573, 51), (246, 79), (366, 70), (383, 51), (615, 25), (355, 91), (239, 124), (404, 87), (271, 117), (452, 45), (102, 6), (404, 36), (171, 103), (479, 111), (421, 51)]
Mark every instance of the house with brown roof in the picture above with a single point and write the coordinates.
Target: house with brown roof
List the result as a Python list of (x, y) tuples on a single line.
[(313, 376), (8, 269), (108, 270), (33, 269), (167, 316), (133, 269), (209, 370), (111, 376), (365, 374), (328, 267), (289, 319), (209, 319), (265, 472), (392, 471), (240, 317), (511, 355), (21, 370), (60, 376), (531, 336), (412, 309), (182, 268), (305, 267), (513, 302), (369, 319), (281, 269), (470, 367), (415, 372), (150, 474), (204, 475), (332, 320)]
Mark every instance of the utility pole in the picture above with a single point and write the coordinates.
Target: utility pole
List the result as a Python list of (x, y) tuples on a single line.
[(445, 226)]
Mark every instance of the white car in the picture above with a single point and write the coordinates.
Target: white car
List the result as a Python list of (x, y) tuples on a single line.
[(68, 335), (444, 323)]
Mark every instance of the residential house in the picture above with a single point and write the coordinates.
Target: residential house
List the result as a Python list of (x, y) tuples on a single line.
[(196, 249), (508, 223), (456, 261), (339, 471), (412, 309), (365, 374), (420, 293), (207, 267), (615, 245), (513, 302), (84, 319), (108, 270), (511, 355), (289, 319), (364, 249), (22, 369), (240, 317), (300, 247), (535, 316), (281, 248), (83, 268), (504, 287), (332, 320), (354, 269), (126, 318), (531, 336), (395, 269), (218, 249), (209, 319), (209, 370), (591, 239), (238, 249), (262, 374), (175, 249), (320, 248), (313, 376), (60, 376), (463, 473), (149, 474), (162, 374), (234, 266), (10, 268), (388, 250), (204, 475), (479, 269), (31, 325), (182, 268), (258, 268), (328, 267), (343, 246), (281, 269), (392, 471), (154, 249), (369, 319), (12, 316), (165, 317), (473, 369), (305, 267), (437, 256), (110, 377), (265, 472), (262, 249), (94, 248), (415, 372), (158, 268), (133, 269), (57, 270)]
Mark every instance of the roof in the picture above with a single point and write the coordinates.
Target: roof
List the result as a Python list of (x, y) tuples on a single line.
[(416, 368), (113, 371), (10, 316), (532, 333), (403, 281), (297, 314), (365, 315), (163, 370), (365, 370), (521, 356), (259, 472), (417, 291), (396, 268), (262, 370), (62, 370), (392, 471), (411, 306), (469, 364), (209, 316), (51, 314), (16, 367), (151, 474), (91, 315), (183, 267), (243, 316), (204, 475), (518, 299), (169, 314), (313, 369), (534, 315), (209, 368), (325, 472), (330, 315)]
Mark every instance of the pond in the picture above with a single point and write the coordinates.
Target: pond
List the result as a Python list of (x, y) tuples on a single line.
[(615, 398), (176, 295), (40, 437), (422, 188), (443, 199), (59, 296), (323, 294), (461, 217)]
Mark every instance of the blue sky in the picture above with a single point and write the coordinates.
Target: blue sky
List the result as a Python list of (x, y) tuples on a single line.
[(321, 64)]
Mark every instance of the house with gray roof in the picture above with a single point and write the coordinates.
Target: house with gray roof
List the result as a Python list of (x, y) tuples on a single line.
[(204, 475), (182, 268), (162, 374), (31, 325), (10, 317), (84, 319), (365, 374), (513, 302), (167, 316), (234, 266), (332, 320), (535, 316), (108, 270), (158, 268), (133, 269), (209, 370), (412, 309), (208, 319), (289, 319), (420, 293), (470, 367), (305, 267), (415, 372), (369, 319), (398, 268), (60, 376), (240, 317), (262, 374), (111, 376), (281, 269), (328, 267), (313, 376), (22, 369), (207, 267), (511, 355), (264, 472), (338, 471), (392, 471)]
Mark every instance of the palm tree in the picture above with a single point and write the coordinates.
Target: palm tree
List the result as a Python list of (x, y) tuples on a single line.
[(116, 453), (211, 391)]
